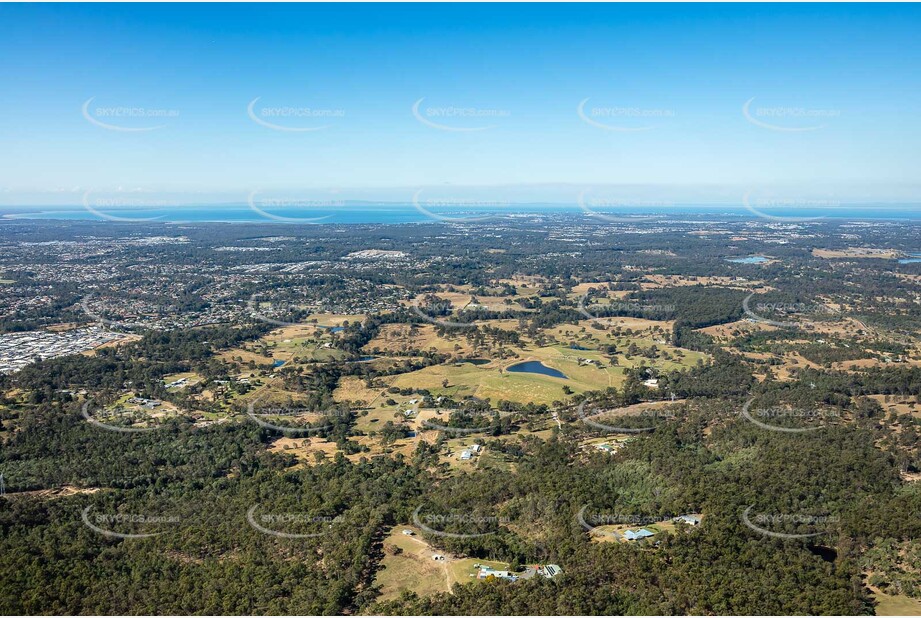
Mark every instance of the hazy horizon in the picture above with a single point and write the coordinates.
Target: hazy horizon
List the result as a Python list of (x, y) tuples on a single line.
[(691, 102)]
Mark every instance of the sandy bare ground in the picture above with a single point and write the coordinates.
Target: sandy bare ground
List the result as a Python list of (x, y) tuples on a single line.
[(898, 404), (652, 282), (856, 252), (54, 492)]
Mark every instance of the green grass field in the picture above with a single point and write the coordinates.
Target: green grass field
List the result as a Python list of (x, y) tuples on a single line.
[(463, 572), (413, 569), (896, 605), (491, 381)]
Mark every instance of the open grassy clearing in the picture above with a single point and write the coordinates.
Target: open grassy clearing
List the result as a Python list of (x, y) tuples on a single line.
[(244, 356), (64, 491), (354, 389), (296, 343), (654, 282), (133, 414), (493, 381), (898, 404), (403, 338), (895, 605), (734, 330), (856, 252), (651, 409), (306, 448), (190, 378), (583, 288), (614, 533), (607, 330), (483, 382), (469, 300), (408, 565)]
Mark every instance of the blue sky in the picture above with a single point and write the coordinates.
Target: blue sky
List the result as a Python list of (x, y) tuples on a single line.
[(837, 96)]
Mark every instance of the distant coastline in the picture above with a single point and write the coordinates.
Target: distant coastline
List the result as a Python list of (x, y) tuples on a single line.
[(364, 213)]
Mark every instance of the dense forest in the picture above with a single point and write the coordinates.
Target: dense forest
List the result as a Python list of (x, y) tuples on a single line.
[(798, 443)]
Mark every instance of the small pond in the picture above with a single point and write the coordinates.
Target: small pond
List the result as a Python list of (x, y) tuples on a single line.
[(536, 367), (752, 259)]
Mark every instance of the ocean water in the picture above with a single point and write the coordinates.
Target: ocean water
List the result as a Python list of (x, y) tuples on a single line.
[(407, 213)]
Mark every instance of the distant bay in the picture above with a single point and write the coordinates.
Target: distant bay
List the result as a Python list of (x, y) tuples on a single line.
[(407, 213)]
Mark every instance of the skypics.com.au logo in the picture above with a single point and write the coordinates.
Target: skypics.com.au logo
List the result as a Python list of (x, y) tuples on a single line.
[(117, 420), (602, 313), (284, 524), (647, 418), (623, 119), (783, 314), (593, 523), (456, 209), (788, 119), (456, 119), (287, 209), (771, 417), (445, 313), (602, 207), (127, 118), (294, 420), (768, 524), (114, 525), (125, 206), (786, 209), (458, 525), (292, 118), (475, 417), (100, 307)]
